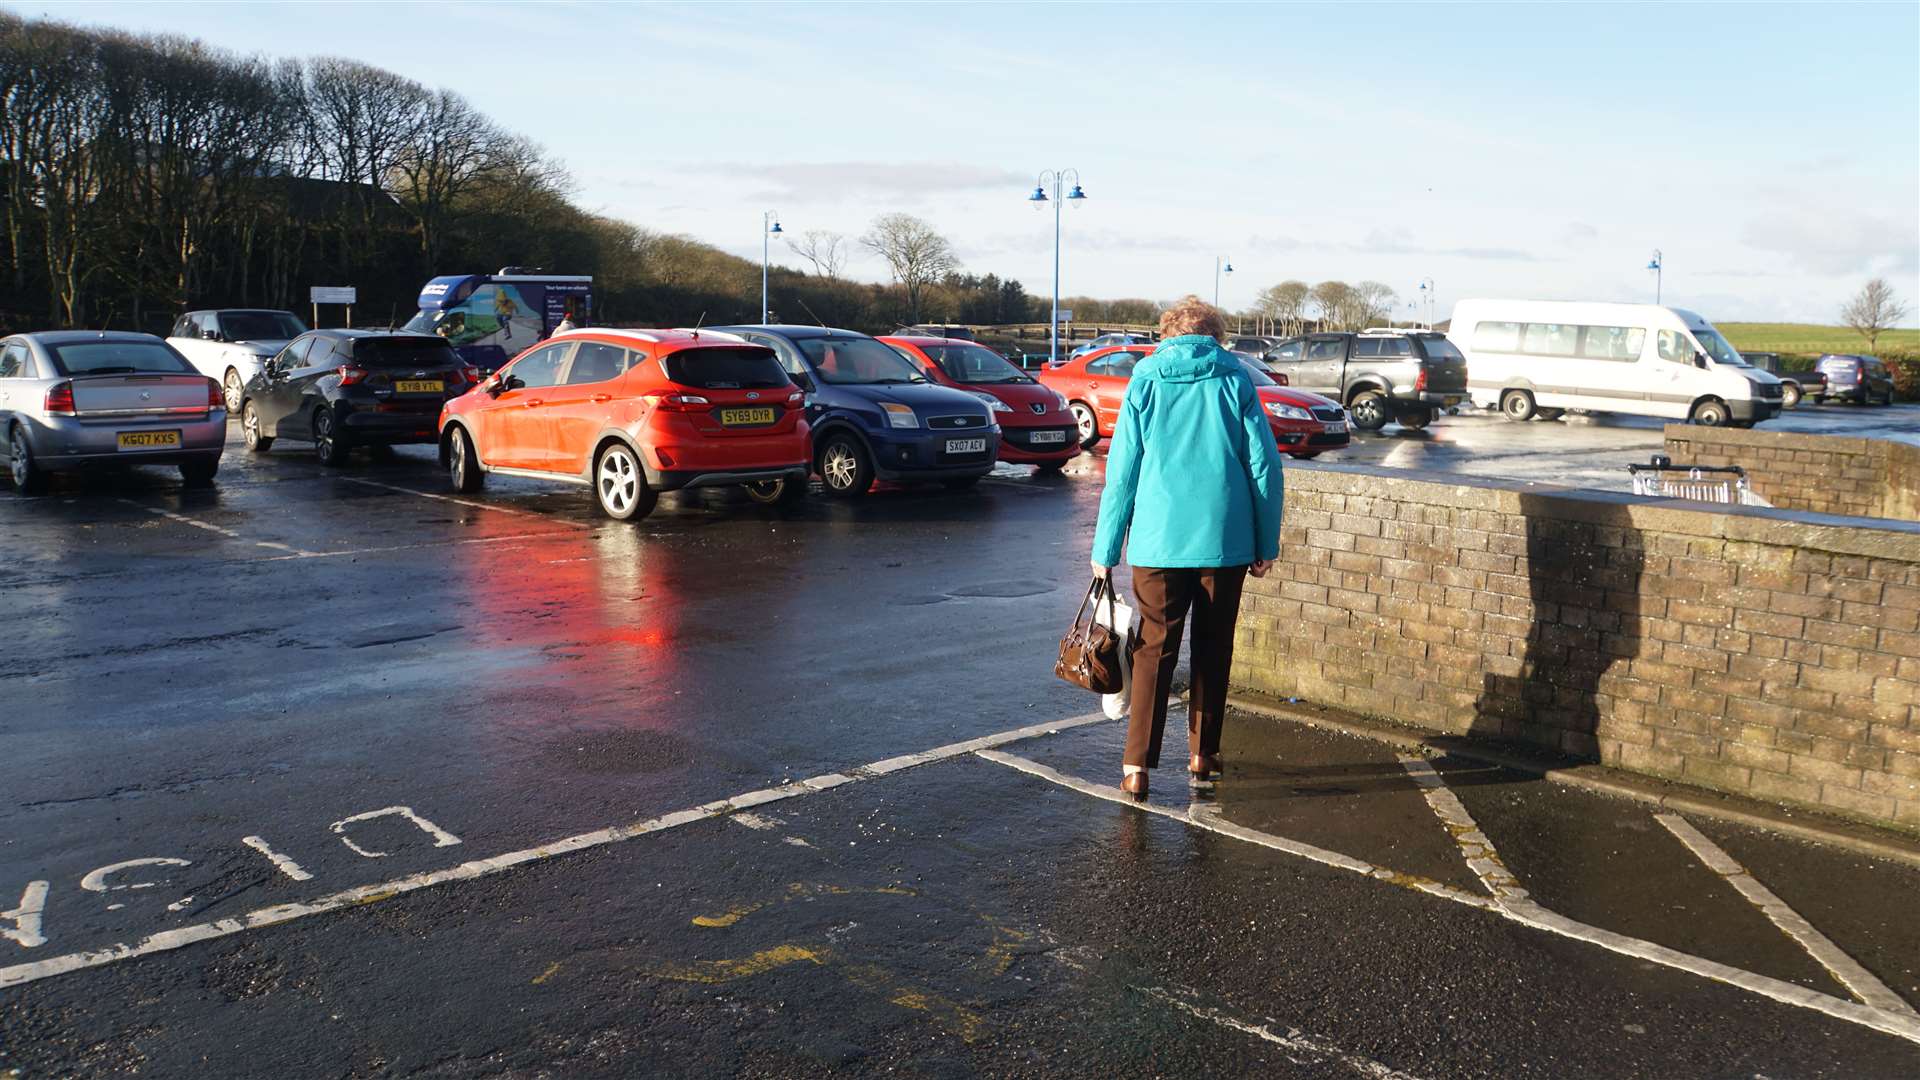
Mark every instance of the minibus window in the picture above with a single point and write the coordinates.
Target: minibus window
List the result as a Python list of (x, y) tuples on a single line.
[(1676, 346), (1613, 343), (1719, 348), (1496, 337), (1550, 339)]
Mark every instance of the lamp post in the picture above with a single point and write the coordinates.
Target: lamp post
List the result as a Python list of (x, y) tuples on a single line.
[(1221, 265), (769, 225), (1038, 199), (1654, 264), (1427, 297)]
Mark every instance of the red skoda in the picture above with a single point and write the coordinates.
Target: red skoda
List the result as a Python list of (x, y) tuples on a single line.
[(1035, 426)]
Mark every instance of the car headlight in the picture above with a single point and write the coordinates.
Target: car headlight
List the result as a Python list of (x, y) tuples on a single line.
[(900, 416), (1059, 399), (993, 403), (1288, 412)]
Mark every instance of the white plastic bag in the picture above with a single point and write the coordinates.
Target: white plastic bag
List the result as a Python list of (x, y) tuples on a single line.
[(1118, 617)]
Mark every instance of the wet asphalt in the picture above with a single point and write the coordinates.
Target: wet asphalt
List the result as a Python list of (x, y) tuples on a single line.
[(252, 682)]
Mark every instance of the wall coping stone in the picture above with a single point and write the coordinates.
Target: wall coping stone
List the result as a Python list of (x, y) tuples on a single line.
[(1878, 538), (1790, 440)]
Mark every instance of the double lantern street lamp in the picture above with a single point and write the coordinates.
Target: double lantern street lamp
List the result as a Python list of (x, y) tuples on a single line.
[(1655, 264), (1057, 178), (1427, 299), (769, 225), (1221, 265)]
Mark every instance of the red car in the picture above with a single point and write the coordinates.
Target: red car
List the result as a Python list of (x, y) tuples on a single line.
[(1035, 426), (1095, 385), (633, 413)]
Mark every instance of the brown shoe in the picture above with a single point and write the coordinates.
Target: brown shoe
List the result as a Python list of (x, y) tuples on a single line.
[(1135, 784), (1204, 766)]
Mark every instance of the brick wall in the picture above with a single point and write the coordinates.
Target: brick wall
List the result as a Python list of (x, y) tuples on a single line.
[(1760, 652), (1823, 474)]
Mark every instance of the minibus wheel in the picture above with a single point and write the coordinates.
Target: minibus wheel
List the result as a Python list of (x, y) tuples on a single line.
[(1517, 405), (1711, 413)]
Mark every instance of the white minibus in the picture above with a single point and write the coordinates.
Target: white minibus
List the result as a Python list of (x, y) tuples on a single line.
[(1540, 358)]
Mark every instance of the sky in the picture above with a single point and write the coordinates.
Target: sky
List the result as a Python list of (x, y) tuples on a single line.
[(1770, 152)]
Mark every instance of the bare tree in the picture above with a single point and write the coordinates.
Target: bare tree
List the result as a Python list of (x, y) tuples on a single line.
[(1372, 303), (1284, 306), (825, 250), (454, 149), (1332, 302), (1873, 310), (917, 254)]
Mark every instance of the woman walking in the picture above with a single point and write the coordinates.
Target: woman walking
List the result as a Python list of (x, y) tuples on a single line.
[(1194, 488)]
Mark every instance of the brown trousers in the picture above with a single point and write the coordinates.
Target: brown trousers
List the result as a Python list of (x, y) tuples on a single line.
[(1164, 597)]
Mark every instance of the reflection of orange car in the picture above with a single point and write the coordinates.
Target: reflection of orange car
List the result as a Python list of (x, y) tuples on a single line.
[(1095, 386), (632, 413)]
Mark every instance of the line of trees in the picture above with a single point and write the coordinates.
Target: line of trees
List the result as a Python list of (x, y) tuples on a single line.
[(1293, 307), (147, 175)]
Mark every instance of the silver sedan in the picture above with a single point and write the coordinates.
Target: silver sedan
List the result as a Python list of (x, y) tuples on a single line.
[(79, 399)]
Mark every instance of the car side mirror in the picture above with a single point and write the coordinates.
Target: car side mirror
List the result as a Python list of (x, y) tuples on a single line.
[(210, 335), (1700, 360), (802, 380)]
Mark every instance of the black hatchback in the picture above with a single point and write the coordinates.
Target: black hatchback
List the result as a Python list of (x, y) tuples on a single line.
[(345, 388)]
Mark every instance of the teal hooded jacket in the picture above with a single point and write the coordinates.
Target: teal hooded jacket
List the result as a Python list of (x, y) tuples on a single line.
[(1193, 475)]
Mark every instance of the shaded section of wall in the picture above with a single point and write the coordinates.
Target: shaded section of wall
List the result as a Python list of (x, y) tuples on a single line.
[(1761, 652), (1822, 474)]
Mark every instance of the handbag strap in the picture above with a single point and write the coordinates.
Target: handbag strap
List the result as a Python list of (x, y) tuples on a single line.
[(1093, 595), (1105, 584)]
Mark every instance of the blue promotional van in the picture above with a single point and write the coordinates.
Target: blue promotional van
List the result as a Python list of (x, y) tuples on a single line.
[(492, 318), (875, 416)]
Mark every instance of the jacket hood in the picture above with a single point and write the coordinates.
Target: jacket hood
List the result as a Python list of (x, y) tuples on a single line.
[(1188, 358)]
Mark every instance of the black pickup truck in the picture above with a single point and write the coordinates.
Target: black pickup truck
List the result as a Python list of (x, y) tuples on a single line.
[(1795, 385), (1402, 375)]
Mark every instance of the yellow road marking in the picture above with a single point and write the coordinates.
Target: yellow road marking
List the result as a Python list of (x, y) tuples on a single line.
[(541, 978), (723, 971)]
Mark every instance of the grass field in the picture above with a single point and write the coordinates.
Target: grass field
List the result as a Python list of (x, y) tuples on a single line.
[(1808, 338)]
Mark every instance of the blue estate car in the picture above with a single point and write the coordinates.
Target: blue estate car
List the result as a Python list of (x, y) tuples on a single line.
[(874, 416)]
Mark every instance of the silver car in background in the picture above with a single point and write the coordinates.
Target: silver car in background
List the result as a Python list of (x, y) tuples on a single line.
[(80, 399)]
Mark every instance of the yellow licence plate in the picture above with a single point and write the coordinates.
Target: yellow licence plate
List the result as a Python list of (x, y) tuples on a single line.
[(746, 416), (148, 440), (418, 386)]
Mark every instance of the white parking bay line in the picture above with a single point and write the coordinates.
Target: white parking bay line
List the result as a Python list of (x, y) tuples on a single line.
[(1855, 978), (1474, 846), (1299, 1047), (180, 937), (212, 528), (1526, 912), (477, 505)]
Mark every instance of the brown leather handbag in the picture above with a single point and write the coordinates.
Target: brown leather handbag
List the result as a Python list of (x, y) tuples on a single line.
[(1090, 653)]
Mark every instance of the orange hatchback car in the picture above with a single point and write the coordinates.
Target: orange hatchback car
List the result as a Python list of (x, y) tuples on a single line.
[(633, 413)]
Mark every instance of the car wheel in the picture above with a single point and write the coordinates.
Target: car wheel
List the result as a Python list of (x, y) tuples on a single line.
[(1711, 413), (199, 474), (785, 492), (1549, 414), (1305, 457), (619, 487), (234, 391), (1789, 396), (1415, 421), (960, 483), (463, 464), (844, 469), (1050, 467), (1517, 405), (328, 446), (1083, 419), (1369, 409), (28, 477), (250, 429)]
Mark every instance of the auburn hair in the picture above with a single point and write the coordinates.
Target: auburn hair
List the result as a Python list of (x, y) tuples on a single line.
[(1193, 315)]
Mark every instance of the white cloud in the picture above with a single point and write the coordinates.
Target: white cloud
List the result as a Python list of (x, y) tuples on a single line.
[(1838, 241)]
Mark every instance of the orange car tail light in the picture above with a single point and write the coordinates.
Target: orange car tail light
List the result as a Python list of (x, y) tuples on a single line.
[(796, 399), (673, 401)]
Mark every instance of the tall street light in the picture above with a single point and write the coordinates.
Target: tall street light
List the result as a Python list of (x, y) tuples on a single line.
[(1654, 264), (769, 225), (1221, 265), (1038, 199), (1427, 294)]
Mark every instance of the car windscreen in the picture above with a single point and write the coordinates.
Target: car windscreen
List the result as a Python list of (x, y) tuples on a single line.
[(118, 358), (1260, 378), (743, 368), (974, 364), (260, 326), (403, 352), (1439, 348), (857, 361), (1719, 348)]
